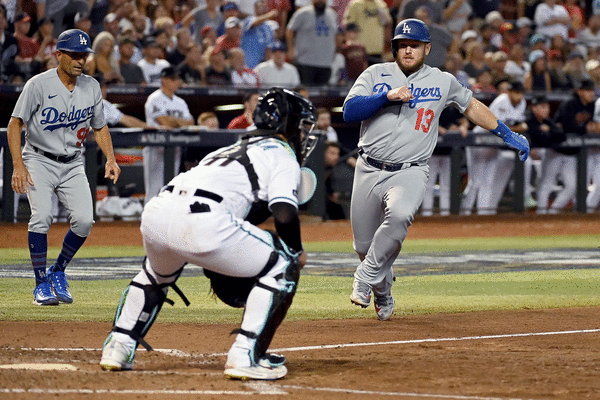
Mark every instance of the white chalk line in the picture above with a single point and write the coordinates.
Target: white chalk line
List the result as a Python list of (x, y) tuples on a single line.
[(182, 354)]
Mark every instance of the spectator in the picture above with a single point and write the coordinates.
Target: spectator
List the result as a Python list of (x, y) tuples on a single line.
[(131, 73), (516, 65), (209, 37), (441, 39), (151, 64), (232, 36), (208, 15), (508, 35), (490, 38), (163, 108), (246, 119), (28, 47), (577, 16), (333, 209), (276, 71), (593, 69), (558, 43), (593, 159), (589, 36), (574, 68), (217, 71), (338, 64), (167, 36), (475, 58), (83, 22), (484, 83), (193, 68), (538, 78), (453, 65), (574, 116), (62, 12), (355, 53), (282, 7), (162, 38), (439, 163), (111, 24), (103, 60), (495, 20), (408, 9), (241, 75), (229, 9), (324, 124), (311, 39), (552, 19), (182, 45), (466, 39), (142, 25), (537, 42), (497, 67), (555, 66), (456, 15), (257, 34), (46, 39), (524, 29), (374, 20)]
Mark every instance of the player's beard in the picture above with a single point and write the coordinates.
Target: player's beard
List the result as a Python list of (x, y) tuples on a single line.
[(410, 69)]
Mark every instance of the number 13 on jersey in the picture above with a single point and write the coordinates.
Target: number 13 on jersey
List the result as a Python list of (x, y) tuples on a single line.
[(424, 123)]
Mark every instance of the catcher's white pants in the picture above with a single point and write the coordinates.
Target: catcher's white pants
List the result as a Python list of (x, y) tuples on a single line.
[(554, 165)]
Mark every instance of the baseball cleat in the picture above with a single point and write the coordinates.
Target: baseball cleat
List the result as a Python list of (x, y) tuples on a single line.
[(257, 372), (361, 294), (384, 306), (60, 286), (272, 360), (117, 356), (43, 295)]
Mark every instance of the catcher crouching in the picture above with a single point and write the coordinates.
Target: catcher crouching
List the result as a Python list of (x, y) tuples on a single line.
[(207, 216)]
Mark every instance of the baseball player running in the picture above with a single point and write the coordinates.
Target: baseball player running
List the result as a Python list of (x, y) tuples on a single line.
[(399, 104), (58, 107), (207, 216)]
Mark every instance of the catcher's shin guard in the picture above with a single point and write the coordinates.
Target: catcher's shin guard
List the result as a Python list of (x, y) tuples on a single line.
[(267, 306), (140, 304)]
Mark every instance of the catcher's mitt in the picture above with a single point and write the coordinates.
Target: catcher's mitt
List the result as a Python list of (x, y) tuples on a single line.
[(231, 290)]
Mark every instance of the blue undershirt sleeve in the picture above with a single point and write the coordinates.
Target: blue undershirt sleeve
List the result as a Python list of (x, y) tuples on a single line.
[(360, 108)]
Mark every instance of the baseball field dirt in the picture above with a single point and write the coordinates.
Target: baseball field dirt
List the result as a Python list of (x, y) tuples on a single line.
[(503, 355)]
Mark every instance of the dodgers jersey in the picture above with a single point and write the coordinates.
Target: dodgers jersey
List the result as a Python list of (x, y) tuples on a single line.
[(407, 132), (504, 110), (159, 104), (274, 162), (58, 120)]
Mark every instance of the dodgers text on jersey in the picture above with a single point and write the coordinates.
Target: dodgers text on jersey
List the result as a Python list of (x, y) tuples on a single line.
[(55, 119)]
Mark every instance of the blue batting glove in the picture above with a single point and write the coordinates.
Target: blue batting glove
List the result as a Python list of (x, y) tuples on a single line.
[(513, 140)]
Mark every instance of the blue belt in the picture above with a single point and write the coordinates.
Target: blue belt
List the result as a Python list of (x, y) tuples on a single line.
[(53, 157), (385, 166)]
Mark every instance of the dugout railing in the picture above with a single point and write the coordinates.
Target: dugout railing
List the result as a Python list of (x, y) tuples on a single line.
[(132, 137)]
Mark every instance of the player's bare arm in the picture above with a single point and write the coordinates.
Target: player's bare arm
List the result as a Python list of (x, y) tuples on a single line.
[(111, 168), (173, 122), (21, 176)]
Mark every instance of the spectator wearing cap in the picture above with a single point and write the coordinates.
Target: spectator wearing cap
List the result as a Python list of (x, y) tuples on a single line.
[(574, 68), (217, 71), (163, 108), (241, 75), (542, 133), (111, 24), (593, 69), (257, 35), (538, 78), (551, 18), (508, 33), (46, 39), (375, 23), (497, 67), (441, 39), (490, 168), (183, 43), (229, 9), (103, 59), (131, 72), (408, 9), (232, 36), (489, 37), (555, 66), (193, 68), (28, 47), (83, 22), (590, 35), (276, 71), (354, 52), (206, 15), (468, 37), (517, 65), (524, 30), (151, 64), (537, 42)]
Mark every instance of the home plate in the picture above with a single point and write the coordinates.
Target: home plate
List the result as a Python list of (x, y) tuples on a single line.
[(40, 367)]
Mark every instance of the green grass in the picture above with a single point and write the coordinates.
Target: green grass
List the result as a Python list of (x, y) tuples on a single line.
[(327, 297)]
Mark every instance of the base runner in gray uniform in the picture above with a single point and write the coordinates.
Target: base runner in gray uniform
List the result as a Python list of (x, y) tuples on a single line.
[(399, 104), (58, 107)]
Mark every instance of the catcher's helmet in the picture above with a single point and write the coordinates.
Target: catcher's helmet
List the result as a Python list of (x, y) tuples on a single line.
[(290, 114), (413, 29), (75, 41)]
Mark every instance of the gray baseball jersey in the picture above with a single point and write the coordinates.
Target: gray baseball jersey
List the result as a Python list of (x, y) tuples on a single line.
[(57, 119), (407, 132)]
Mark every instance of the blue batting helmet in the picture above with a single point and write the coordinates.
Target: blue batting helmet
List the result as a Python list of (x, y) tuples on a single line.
[(412, 29), (75, 41)]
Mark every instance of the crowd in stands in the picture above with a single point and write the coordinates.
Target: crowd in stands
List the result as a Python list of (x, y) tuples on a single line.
[(543, 46), (547, 44)]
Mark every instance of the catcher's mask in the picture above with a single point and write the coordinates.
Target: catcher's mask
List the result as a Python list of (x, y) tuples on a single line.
[(291, 115)]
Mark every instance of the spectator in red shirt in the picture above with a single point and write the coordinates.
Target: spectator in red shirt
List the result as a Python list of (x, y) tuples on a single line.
[(282, 7), (232, 36), (45, 37), (245, 120), (28, 47)]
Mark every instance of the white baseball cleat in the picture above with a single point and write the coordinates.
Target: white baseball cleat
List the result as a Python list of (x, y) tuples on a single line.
[(258, 372), (117, 356), (361, 294), (384, 306)]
